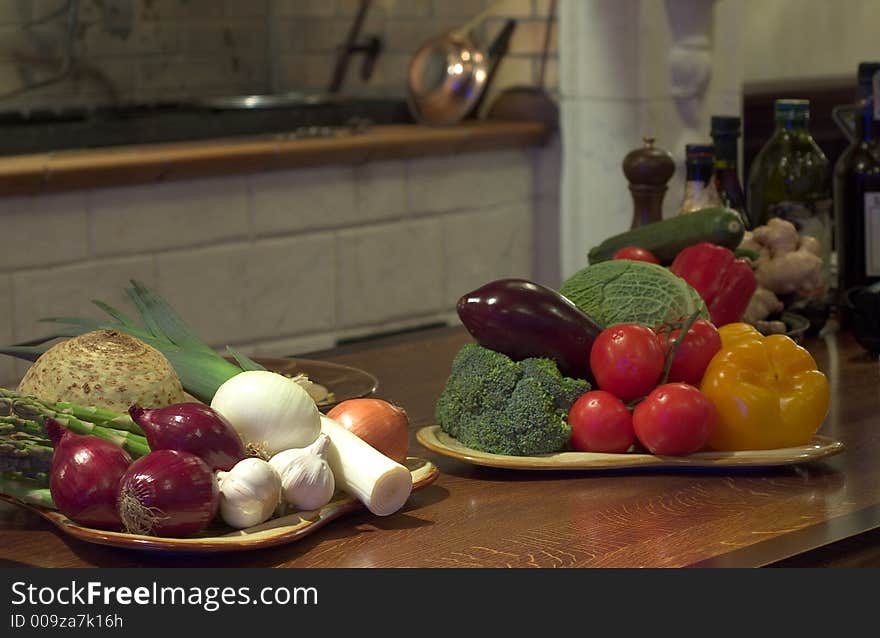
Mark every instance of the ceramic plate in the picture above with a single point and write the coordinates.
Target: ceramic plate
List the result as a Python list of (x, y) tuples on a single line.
[(277, 531), (336, 382), (435, 439)]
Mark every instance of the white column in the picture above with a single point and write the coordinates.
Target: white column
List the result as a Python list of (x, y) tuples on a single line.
[(628, 69)]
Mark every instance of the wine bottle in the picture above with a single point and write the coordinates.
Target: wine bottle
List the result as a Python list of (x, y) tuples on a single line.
[(699, 187), (725, 132), (857, 189)]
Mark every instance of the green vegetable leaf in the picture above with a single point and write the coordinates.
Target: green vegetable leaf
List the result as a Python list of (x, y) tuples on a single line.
[(243, 360), (622, 291), (166, 320), (116, 314)]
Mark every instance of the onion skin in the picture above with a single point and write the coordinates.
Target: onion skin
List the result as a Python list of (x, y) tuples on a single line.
[(381, 424), (194, 428), (85, 476), (177, 491)]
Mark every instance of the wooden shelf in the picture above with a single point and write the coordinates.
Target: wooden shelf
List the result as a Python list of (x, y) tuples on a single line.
[(144, 164)]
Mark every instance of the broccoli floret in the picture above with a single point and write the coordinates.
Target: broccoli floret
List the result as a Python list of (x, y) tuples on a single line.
[(565, 390), (494, 404)]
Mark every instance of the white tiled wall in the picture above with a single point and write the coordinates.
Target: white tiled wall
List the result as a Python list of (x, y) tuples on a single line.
[(276, 263)]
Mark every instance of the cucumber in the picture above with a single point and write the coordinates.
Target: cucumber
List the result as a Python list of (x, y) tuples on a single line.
[(666, 238)]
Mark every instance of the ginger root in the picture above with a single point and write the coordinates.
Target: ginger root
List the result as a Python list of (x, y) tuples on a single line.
[(763, 303), (787, 263), (778, 235), (790, 272)]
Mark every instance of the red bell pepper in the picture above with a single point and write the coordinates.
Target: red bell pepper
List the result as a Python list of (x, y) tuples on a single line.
[(724, 282)]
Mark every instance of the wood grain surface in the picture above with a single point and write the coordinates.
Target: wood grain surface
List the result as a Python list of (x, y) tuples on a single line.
[(821, 513)]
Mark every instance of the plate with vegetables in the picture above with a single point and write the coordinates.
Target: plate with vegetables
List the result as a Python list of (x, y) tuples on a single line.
[(433, 438), (624, 367), (280, 530), (144, 437), (190, 477)]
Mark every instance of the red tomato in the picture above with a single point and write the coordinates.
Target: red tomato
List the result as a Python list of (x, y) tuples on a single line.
[(692, 357), (627, 360), (675, 419), (600, 422), (636, 254)]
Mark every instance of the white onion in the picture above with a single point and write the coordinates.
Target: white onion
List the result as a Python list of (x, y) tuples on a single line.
[(269, 411)]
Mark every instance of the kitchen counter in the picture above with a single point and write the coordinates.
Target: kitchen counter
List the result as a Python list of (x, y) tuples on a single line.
[(823, 513), (152, 163)]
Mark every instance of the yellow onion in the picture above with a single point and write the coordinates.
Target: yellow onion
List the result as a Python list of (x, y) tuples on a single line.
[(383, 425)]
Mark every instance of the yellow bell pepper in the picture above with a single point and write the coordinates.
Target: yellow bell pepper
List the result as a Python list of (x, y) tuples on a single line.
[(767, 391)]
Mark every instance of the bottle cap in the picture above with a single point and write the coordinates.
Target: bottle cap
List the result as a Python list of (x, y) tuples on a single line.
[(698, 152), (725, 125), (867, 71), (791, 108)]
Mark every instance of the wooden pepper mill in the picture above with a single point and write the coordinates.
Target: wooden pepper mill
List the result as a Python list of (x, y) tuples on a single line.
[(648, 170)]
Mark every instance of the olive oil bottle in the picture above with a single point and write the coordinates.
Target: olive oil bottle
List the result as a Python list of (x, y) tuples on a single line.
[(790, 178)]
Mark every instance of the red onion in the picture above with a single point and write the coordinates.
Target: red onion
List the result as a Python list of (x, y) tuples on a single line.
[(167, 493), (194, 428), (85, 477)]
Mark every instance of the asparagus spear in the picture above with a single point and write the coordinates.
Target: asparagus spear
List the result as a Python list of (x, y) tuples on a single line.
[(19, 452), (93, 414), (100, 416), (27, 490), (28, 409), (10, 424)]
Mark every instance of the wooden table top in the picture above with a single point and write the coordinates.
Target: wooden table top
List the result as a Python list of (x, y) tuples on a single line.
[(822, 513)]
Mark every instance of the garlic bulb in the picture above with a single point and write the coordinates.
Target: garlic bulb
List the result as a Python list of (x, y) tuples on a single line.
[(307, 482), (269, 411), (249, 493)]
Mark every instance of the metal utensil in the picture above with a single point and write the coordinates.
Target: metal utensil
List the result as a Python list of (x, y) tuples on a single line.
[(529, 102), (448, 74), (266, 101)]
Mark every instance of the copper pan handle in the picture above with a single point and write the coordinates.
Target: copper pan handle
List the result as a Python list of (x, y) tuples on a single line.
[(463, 32)]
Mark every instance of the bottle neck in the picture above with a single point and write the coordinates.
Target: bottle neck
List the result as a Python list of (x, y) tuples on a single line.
[(868, 126), (699, 172), (792, 124), (726, 153)]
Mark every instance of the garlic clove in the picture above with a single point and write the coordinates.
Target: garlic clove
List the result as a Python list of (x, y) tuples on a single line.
[(249, 493), (319, 447), (307, 482)]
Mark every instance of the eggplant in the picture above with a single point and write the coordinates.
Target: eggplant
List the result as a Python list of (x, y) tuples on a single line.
[(523, 319)]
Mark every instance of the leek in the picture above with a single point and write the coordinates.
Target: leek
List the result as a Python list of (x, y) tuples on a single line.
[(200, 368)]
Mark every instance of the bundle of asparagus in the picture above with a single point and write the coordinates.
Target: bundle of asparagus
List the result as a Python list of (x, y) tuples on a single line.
[(25, 448)]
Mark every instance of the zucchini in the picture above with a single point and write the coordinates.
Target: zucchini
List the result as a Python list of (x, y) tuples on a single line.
[(667, 237)]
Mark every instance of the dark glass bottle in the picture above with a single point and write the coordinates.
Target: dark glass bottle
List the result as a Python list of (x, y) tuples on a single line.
[(857, 189), (725, 135), (790, 178), (699, 186)]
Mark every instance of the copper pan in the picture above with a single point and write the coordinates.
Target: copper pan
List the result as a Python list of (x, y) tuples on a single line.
[(448, 75), (531, 103)]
